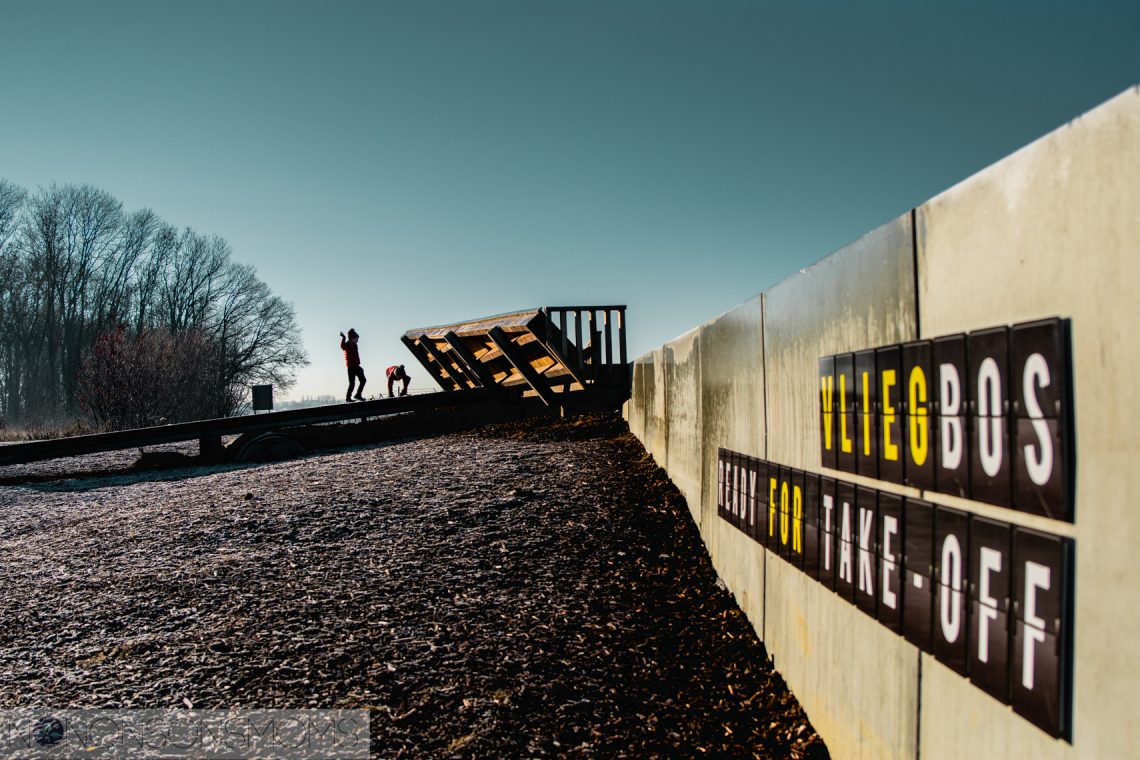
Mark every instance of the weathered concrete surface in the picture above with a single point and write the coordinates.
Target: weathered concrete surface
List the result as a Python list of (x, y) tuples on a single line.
[(833, 656), (861, 296), (732, 417), (682, 366), (1054, 230), (657, 421), (855, 678), (645, 410), (634, 410)]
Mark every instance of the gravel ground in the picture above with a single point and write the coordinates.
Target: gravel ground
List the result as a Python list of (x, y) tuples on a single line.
[(534, 589)]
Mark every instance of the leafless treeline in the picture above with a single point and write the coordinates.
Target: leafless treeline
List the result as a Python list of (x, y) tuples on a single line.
[(75, 266)]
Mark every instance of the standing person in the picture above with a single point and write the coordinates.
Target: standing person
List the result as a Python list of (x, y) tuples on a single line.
[(397, 373), (352, 361)]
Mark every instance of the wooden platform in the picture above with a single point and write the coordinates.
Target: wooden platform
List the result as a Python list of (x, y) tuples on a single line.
[(210, 432), (547, 352)]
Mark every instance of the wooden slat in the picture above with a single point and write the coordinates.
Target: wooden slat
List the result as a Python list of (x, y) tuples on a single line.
[(609, 346), (519, 362), (595, 346), (439, 357), (570, 361), (489, 356), (509, 322), (621, 346), (562, 330), (591, 345), (425, 359), (475, 367), (578, 342), (454, 365)]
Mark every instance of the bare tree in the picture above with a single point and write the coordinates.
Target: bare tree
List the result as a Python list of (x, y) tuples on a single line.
[(74, 267), (256, 331), (151, 378), (12, 314)]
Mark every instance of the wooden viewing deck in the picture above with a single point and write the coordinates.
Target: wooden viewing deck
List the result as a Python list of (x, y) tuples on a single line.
[(520, 357)]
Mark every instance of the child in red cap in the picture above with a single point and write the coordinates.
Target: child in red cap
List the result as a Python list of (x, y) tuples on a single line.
[(352, 361)]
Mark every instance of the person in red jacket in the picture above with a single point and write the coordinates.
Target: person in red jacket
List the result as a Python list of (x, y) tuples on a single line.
[(352, 361), (397, 373)]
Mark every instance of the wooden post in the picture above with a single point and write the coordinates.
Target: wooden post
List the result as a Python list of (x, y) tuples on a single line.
[(595, 345), (562, 327), (578, 342), (609, 346), (621, 346)]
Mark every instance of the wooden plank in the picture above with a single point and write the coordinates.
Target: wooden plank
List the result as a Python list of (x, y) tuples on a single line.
[(595, 352), (490, 356), (562, 330), (454, 365), (483, 373), (426, 360), (611, 307), (609, 346), (621, 345), (519, 362), (578, 342), (542, 326), (453, 376), (596, 342), (508, 321)]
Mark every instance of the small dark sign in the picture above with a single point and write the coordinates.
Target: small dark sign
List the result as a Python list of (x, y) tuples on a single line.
[(262, 398)]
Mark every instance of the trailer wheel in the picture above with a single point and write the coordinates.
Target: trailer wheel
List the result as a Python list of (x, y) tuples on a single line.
[(266, 447)]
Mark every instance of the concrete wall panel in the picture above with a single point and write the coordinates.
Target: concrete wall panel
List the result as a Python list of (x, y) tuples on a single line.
[(682, 363), (859, 297), (634, 411), (732, 417), (655, 429), (835, 658), (1054, 230), (855, 678), (949, 703)]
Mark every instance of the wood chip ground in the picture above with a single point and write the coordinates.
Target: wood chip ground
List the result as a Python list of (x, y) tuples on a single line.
[(527, 590)]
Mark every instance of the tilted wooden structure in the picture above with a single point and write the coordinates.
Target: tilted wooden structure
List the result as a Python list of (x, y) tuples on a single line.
[(549, 352)]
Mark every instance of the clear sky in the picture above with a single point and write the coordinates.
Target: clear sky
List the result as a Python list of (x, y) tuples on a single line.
[(387, 165)]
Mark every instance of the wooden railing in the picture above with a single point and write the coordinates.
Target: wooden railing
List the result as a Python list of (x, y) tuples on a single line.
[(591, 362)]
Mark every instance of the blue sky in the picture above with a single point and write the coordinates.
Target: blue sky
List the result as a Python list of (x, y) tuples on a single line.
[(386, 165)]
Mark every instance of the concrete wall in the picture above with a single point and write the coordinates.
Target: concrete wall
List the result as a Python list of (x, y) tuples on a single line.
[(1053, 230), (682, 370), (732, 416), (860, 296)]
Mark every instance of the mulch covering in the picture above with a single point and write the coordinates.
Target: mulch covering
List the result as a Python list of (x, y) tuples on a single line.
[(533, 589)]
